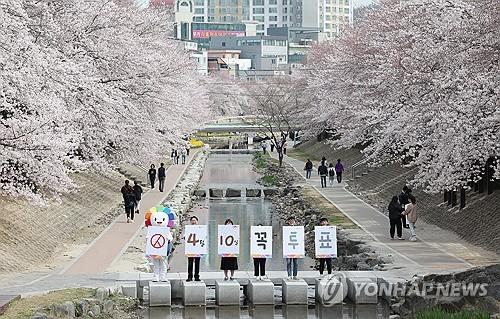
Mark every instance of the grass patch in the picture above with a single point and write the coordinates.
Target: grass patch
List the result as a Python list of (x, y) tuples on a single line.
[(442, 314), (270, 180), (330, 211), (26, 307), (303, 156)]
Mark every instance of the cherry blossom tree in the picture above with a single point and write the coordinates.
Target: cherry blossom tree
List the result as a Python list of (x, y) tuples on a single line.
[(417, 81), (84, 85)]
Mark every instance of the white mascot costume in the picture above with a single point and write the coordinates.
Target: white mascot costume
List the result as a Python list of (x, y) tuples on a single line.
[(161, 217)]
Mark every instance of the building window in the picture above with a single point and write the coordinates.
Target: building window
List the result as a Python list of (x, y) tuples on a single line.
[(199, 2), (258, 2), (346, 10), (273, 18), (199, 11), (273, 25), (223, 43), (273, 10), (285, 2), (199, 19), (273, 2), (258, 18), (273, 61), (284, 18), (258, 10)]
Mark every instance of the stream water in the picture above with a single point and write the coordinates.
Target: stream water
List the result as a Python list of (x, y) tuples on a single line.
[(235, 171)]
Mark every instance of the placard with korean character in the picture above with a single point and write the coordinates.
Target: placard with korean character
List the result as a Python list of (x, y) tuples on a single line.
[(261, 241), (228, 240), (195, 240), (293, 242), (325, 241)]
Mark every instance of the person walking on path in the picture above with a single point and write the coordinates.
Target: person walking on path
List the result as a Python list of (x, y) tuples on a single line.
[(161, 177), (323, 172), (292, 265), (272, 146), (228, 264), (308, 168), (188, 147), (263, 144), (339, 168), (193, 261), (138, 195), (324, 261), (173, 156), (129, 200), (177, 155), (183, 154), (284, 147), (323, 161), (259, 266), (152, 175), (411, 213), (331, 174), (403, 201), (395, 211)]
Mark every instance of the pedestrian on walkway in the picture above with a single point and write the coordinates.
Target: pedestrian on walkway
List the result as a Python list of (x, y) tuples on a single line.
[(228, 264), (323, 172), (263, 144), (177, 155), (152, 175), (138, 195), (161, 176), (395, 211), (284, 147), (339, 168), (272, 146), (403, 201), (259, 266), (183, 154), (188, 147), (193, 261), (322, 261), (173, 156), (411, 213), (292, 265), (323, 161), (331, 174), (308, 168), (129, 200)]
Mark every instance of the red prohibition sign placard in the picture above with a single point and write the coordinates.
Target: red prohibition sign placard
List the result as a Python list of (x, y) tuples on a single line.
[(157, 241)]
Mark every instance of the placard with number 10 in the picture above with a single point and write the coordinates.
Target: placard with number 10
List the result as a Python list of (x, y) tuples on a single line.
[(196, 242), (228, 240)]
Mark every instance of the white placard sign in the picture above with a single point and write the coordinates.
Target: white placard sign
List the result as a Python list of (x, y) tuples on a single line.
[(325, 241), (228, 240), (157, 240), (196, 240), (293, 242), (261, 241)]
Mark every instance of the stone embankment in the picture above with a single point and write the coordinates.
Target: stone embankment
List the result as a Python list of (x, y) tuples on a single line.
[(289, 201), (474, 289)]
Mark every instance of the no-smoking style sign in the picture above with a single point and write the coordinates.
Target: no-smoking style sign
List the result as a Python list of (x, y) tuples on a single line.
[(157, 240)]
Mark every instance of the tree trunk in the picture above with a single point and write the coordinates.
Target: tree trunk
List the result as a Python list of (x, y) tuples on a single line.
[(280, 157)]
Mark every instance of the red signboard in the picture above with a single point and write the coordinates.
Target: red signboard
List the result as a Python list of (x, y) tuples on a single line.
[(204, 34)]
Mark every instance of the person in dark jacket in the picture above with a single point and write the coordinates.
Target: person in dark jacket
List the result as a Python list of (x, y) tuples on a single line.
[(395, 211), (403, 201), (308, 168), (161, 176), (129, 200), (138, 195), (152, 175), (324, 261), (323, 173), (339, 168)]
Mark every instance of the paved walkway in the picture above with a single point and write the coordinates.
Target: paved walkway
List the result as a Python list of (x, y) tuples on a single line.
[(115, 239), (429, 253)]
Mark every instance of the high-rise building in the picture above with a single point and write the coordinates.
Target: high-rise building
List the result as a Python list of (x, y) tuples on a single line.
[(328, 15)]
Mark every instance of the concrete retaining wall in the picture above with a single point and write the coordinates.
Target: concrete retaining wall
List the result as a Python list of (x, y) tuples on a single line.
[(234, 192)]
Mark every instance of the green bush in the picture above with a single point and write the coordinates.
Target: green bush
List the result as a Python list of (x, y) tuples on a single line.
[(270, 180), (438, 313)]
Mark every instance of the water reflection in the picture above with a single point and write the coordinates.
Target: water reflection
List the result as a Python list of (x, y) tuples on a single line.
[(345, 311)]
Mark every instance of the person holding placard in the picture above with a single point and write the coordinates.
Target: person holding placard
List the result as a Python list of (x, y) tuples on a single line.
[(193, 261), (261, 248), (228, 264), (323, 261), (292, 265)]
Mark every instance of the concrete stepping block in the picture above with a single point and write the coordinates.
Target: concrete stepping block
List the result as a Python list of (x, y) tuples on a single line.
[(129, 289), (227, 293), (362, 290), (232, 192), (160, 294), (330, 290), (260, 292), (194, 293), (294, 292)]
